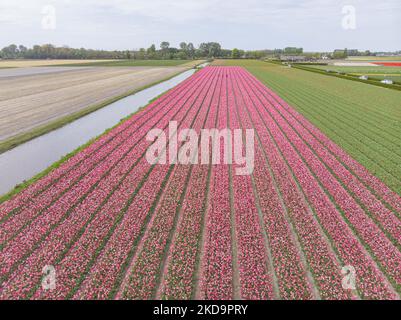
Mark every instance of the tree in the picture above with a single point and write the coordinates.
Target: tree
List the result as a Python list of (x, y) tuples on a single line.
[(22, 50), (183, 46), (214, 49), (10, 52), (293, 50), (340, 54), (152, 49), (190, 50), (235, 54), (181, 55), (151, 52), (210, 49), (164, 45)]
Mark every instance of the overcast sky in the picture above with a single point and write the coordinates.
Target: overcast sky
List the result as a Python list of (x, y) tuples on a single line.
[(246, 24)]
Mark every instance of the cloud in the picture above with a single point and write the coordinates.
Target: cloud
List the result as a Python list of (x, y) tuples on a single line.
[(311, 23)]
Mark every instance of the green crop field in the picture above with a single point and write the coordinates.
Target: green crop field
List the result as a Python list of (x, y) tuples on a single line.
[(133, 63), (379, 72), (363, 119)]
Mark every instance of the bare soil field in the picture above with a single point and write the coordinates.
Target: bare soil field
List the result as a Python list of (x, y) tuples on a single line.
[(34, 99), (30, 71), (38, 63)]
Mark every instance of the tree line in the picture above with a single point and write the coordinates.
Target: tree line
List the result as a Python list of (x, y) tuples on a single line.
[(165, 51)]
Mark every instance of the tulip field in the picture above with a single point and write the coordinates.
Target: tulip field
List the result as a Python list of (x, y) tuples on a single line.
[(114, 226)]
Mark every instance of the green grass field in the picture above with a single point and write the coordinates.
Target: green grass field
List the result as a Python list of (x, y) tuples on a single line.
[(379, 72), (364, 120), (133, 63)]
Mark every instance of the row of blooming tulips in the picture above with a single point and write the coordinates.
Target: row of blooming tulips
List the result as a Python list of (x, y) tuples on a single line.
[(115, 226), (351, 252), (319, 255), (106, 270), (216, 276), (22, 219), (104, 144), (292, 280), (388, 64), (81, 216), (383, 161), (184, 254), (386, 218), (39, 228), (372, 182), (311, 159), (120, 248), (254, 277), (18, 221), (97, 233), (145, 268)]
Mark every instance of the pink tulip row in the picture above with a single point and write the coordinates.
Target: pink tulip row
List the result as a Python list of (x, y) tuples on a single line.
[(101, 144), (216, 279), (288, 268), (372, 283), (53, 216), (387, 219), (42, 202), (254, 277), (144, 271), (115, 226), (182, 260), (319, 255), (375, 184), (360, 174), (77, 219), (106, 269)]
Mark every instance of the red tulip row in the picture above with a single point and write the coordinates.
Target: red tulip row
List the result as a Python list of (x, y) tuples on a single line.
[(90, 153), (65, 233), (372, 282)]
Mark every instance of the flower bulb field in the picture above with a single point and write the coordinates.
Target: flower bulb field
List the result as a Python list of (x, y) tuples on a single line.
[(318, 217)]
